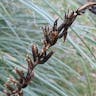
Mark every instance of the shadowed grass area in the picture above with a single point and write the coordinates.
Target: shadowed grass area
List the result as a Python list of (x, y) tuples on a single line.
[(71, 70)]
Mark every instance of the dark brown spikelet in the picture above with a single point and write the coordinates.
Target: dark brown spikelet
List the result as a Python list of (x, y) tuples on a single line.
[(34, 52), (68, 21), (50, 34), (45, 59), (30, 63), (65, 34), (20, 73), (46, 34)]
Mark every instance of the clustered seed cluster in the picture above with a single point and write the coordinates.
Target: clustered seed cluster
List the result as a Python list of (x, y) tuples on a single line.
[(51, 35)]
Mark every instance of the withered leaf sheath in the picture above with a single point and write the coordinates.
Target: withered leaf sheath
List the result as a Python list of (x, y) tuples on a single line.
[(51, 35)]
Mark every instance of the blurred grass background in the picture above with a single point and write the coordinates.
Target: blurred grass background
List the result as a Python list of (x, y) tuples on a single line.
[(72, 69)]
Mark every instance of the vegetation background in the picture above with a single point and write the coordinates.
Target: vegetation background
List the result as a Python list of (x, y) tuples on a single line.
[(72, 69)]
